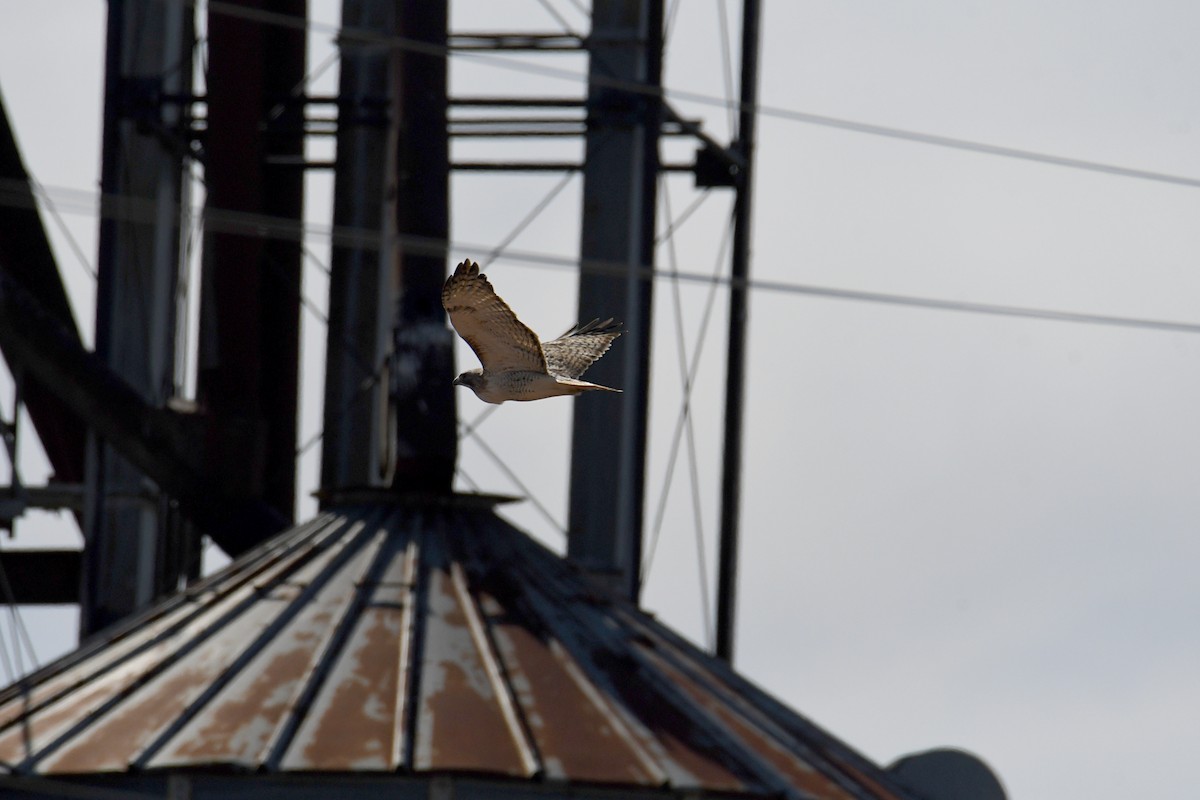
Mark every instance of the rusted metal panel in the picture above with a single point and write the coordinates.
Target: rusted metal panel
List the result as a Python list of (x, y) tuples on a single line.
[(136, 648), (117, 738), (683, 745), (238, 725), (419, 640), (578, 734), (596, 739), (201, 664), (30, 734), (460, 723), (812, 758), (355, 722), (583, 619), (785, 762), (78, 688)]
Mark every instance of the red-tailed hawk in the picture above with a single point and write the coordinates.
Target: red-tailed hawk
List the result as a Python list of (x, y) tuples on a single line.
[(516, 366)]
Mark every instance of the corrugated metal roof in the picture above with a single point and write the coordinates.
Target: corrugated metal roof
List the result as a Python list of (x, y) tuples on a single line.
[(417, 638)]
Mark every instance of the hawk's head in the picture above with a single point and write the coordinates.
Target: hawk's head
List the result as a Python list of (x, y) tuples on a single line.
[(484, 389), (472, 379)]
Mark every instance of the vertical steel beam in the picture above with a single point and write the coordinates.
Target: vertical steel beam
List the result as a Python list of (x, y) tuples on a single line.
[(735, 375), (389, 401), (248, 377), (423, 365), (357, 440), (148, 56), (620, 173)]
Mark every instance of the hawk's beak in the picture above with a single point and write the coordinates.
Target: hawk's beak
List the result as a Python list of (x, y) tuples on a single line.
[(457, 381)]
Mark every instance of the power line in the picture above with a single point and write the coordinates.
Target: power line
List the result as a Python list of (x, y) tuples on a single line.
[(72, 242), (972, 308), (685, 410), (978, 147), (726, 62), (289, 229), (683, 217), (534, 259), (21, 638), (512, 476), (277, 227), (355, 36), (580, 7), (559, 18), (527, 220), (688, 383)]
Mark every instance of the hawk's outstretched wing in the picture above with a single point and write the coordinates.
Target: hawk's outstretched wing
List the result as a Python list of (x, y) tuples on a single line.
[(571, 354), (499, 339)]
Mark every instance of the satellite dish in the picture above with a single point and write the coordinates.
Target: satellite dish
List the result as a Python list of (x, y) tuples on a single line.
[(948, 774)]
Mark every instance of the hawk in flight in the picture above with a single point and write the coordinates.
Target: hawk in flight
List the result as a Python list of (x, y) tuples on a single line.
[(516, 366)]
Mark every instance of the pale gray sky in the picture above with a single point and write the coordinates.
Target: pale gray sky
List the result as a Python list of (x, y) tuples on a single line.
[(958, 529)]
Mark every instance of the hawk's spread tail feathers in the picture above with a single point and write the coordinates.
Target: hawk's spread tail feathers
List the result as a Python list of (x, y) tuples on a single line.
[(571, 354)]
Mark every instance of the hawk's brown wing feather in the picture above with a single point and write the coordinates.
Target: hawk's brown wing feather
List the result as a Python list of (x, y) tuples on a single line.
[(571, 354), (500, 340)]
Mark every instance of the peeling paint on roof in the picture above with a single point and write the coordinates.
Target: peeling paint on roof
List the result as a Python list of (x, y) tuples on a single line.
[(417, 639)]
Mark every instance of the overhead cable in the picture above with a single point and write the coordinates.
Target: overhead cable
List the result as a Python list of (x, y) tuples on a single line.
[(350, 37), (290, 230)]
